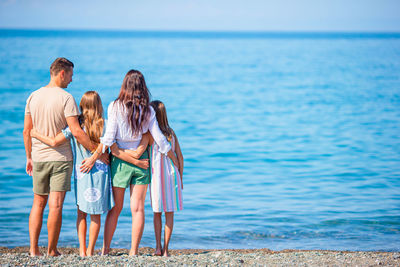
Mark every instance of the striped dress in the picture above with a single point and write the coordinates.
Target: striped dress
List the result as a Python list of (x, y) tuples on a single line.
[(166, 184)]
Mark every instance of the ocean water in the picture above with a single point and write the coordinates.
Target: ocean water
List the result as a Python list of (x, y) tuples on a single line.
[(290, 140)]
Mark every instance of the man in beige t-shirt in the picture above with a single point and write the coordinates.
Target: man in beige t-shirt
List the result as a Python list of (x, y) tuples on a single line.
[(49, 110)]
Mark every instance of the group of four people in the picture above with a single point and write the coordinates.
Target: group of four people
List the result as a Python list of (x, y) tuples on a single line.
[(136, 131)]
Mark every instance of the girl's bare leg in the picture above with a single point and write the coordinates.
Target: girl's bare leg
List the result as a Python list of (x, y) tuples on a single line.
[(157, 221), (169, 225), (94, 229), (112, 219), (138, 195), (81, 228)]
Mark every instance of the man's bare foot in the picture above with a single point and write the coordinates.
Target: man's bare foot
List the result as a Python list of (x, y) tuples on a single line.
[(158, 252), (105, 251), (35, 252)]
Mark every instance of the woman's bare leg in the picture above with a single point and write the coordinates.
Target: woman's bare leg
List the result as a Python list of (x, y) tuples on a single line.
[(112, 219), (169, 225), (81, 227), (157, 221), (138, 195), (94, 229)]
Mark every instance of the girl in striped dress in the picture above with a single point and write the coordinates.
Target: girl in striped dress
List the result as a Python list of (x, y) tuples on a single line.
[(166, 181)]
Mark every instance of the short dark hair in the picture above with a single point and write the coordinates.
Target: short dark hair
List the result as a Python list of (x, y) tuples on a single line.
[(60, 64)]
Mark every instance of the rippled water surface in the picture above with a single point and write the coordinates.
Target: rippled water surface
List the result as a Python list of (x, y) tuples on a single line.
[(289, 141)]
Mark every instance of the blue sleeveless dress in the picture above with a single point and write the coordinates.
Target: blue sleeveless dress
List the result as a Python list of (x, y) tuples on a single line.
[(93, 192)]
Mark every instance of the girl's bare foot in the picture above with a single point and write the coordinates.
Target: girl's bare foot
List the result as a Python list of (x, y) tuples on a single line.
[(105, 251), (89, 253), (133, 253), (166, 254), (54, 253), (158, 252), (82, 252)]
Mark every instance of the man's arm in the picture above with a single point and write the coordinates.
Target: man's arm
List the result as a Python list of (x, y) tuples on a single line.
[(79, 134), (28, 143)]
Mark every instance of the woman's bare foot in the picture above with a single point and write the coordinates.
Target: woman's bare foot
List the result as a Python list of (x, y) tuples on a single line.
[(35, 252), (158, 252)]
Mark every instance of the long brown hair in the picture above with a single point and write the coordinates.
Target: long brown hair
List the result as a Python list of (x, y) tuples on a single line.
[(91, 118), (134, 96), (162, 119)]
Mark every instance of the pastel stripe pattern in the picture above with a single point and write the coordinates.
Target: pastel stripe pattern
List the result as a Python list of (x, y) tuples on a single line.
[(166, 184)]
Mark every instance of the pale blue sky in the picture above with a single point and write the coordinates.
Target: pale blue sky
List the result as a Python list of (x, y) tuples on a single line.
[(208, 15)]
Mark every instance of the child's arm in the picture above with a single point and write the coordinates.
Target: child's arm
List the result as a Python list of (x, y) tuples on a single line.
[(137, 153), (126, 156), (178, 153), (51, 141)]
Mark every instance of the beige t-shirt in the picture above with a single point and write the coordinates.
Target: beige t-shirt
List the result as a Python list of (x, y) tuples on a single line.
[(49, 107)]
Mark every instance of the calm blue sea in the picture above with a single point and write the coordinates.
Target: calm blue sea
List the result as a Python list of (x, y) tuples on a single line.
[(291, 140)]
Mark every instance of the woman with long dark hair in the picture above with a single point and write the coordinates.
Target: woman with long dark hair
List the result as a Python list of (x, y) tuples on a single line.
[(129, 117)]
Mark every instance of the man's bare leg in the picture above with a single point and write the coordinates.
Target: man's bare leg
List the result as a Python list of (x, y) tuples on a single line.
[(54, 221), (35, 222)]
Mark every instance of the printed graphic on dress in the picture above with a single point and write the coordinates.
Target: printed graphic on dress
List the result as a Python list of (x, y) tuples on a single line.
[(92, 194), (101, 166)]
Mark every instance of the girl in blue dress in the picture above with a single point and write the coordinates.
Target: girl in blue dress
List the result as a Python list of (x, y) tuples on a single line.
[(93, 192)]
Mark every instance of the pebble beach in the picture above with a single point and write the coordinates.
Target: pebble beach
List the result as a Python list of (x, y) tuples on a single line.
[(19, 256)]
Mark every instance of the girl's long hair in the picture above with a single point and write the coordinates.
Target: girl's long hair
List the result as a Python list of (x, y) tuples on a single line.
[(134, 96), (162, 119), (91, 118)]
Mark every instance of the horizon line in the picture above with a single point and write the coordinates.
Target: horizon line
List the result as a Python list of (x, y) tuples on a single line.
[(185, 34), (200, 31)]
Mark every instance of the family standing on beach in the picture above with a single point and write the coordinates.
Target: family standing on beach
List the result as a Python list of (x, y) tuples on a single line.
[(144, 150)]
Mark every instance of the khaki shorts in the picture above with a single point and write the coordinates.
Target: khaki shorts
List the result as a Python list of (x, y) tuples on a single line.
[(123, 173), (51, 176)]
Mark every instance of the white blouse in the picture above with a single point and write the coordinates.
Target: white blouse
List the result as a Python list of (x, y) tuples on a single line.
[(119, 130)]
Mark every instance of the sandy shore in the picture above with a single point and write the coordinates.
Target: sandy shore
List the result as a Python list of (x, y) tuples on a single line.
[(202, 257)]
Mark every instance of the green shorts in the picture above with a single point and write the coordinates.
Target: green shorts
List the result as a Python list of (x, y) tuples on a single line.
[(51, 176), (123, 173)]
